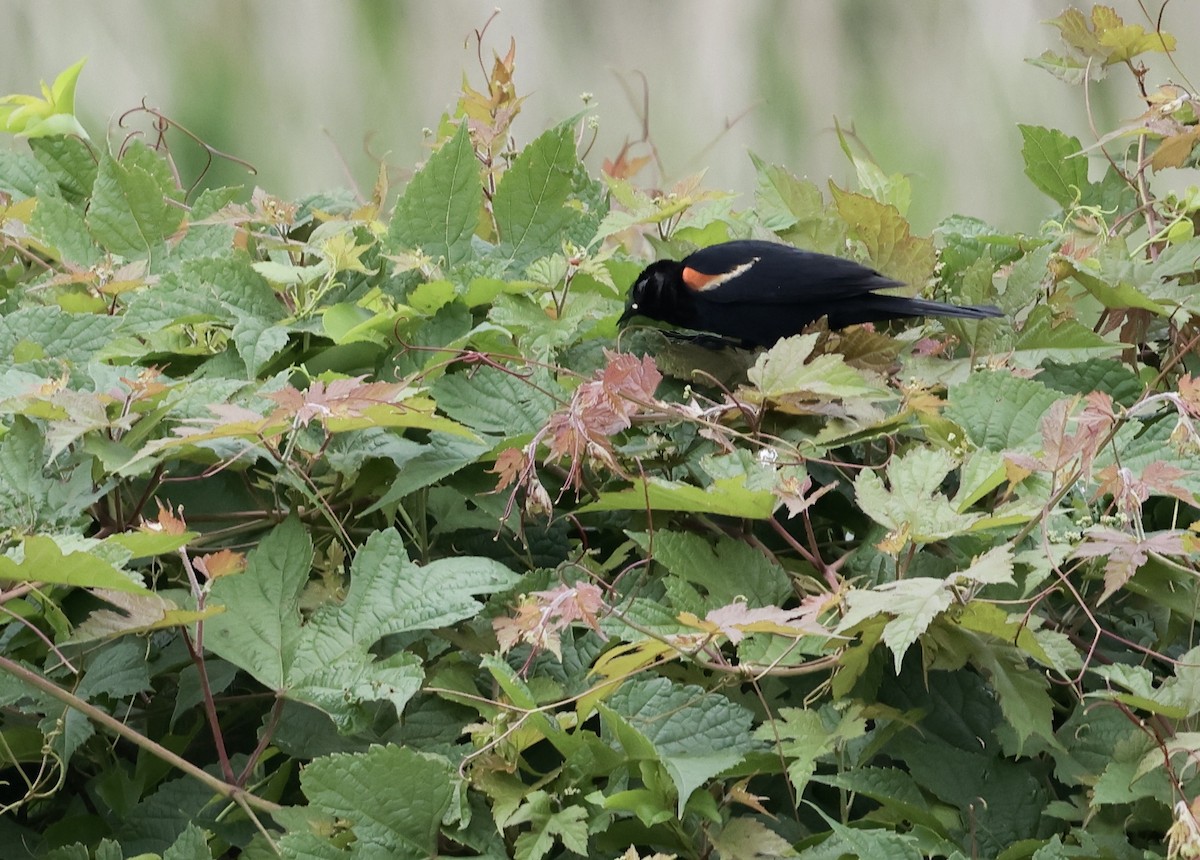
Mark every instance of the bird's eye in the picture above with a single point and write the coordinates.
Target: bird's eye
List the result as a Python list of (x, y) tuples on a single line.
[(633, 306)]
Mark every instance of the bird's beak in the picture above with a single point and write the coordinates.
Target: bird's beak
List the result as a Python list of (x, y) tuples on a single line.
[(630, 312)]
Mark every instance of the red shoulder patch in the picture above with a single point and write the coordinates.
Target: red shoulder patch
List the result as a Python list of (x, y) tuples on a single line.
[(697, 280)]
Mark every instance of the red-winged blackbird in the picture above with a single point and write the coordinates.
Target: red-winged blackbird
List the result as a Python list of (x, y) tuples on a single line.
[(758, 292)]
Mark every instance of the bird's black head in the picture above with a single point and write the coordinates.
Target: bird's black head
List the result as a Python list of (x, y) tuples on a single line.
[(653, 293)]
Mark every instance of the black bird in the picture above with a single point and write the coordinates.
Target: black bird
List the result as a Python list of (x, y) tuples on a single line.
[(758, 292)]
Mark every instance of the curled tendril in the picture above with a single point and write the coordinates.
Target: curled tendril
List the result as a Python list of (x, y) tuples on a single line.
[(161, 123)]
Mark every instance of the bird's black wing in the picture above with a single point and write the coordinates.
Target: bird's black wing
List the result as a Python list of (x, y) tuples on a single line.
[(757, 272)]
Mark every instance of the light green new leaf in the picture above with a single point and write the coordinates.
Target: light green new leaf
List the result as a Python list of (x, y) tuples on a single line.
[(440, 207), (727, 496), (42, 561), (912, 604), (392, 797), (787, 368), (130, 214), (1175, 698), (1053, 162), (53, 114), (913, 505), (531, 202), (695, 734)]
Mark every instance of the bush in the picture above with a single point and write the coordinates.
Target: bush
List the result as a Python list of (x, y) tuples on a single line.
[(366, 533)]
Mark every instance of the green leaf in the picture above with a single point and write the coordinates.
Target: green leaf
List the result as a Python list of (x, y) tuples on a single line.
[(1112, 295), (497, 402), (71, 163), (29, 499), (62, 227), (530, 205), (785, 371), (794, 208), (440, 207), (444, 455), (41, 560), (392, 798), (192, 844), (694, 733), (1000, 411), (887, 237), (1112, 377), (1054, 162), (261, 623), (1176, 698), (890, 787), (913, 507), (727, 496), (758, 580), (1067, 340), (913, 604), (49, 331), (258, 341), (130, 213), (22, 176)]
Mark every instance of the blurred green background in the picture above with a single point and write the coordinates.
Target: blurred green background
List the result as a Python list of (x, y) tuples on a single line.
[(310, 92)]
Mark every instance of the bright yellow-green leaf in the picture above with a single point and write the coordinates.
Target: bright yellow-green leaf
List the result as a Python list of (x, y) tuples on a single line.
[(728, 496), (51, 115), (44, 561)]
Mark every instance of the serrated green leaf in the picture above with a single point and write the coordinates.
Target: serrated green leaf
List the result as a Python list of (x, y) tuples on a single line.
[(259, 629), (22, 176), (694, 733), (62, 227), (401, 822), (496, 402), (911, 603), (787, 369), (1066, 341), (70, 162), (890, 787), (885, 233), (912, 506), (440, 207), (795, 209), (49, 331), (258, 341), (1054, 163), (758, 581), (1000, 411), (530, 205), (1112, 295), (130, 212)]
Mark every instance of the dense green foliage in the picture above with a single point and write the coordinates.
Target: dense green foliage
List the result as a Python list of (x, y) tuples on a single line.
[(336, 528)]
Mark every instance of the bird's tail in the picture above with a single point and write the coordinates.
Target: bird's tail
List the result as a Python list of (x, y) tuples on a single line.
[(899, 306)]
